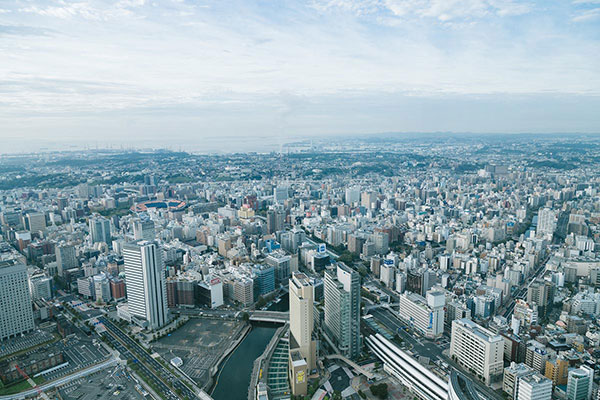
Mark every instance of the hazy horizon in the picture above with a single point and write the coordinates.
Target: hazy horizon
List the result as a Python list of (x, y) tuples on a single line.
[(130, 71)]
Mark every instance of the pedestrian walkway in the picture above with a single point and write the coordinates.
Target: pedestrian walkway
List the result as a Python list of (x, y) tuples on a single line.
[(277, 379)]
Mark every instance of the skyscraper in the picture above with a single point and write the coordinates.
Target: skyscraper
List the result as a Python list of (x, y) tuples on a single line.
[(146, 283), (143, 229), (301, 330), (16, 314), (65, 258), (100, 230), (342, 309), (546, 221)]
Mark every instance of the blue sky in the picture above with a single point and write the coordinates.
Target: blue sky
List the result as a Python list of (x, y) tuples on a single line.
[(119, 71)]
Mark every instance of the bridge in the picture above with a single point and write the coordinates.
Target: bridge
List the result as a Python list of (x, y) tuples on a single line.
[(351, 363), (279, 317)]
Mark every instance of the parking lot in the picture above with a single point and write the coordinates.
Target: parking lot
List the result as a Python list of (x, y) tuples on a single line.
[(80, 352), (109, 384), (199, 343), (27, 341)]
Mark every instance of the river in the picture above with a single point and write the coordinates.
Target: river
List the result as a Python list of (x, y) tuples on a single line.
[(234, 379)]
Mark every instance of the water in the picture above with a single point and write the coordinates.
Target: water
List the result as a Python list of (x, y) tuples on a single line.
[(283, 305), (233, 382)]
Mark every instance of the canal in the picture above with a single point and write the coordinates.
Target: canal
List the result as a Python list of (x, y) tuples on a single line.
[(234, 378), (283, 305)]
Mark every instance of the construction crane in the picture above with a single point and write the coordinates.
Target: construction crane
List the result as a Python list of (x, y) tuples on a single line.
[(32, 383)]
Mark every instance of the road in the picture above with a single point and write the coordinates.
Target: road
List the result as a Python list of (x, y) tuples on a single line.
[(521, 293), (142, 354), (425, 347)]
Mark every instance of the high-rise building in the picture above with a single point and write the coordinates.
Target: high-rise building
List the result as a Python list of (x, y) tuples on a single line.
[(35, 222), (368, 200), (264, 279), (145, 281), (301, 292), (546, 224), (540, 293), (352, 195), (579, 385), (65, 258), (282, 264), (275, 220), (533, 387), (143, 229), (100, 230), (280, 194), (557, 370), (424, 315), (16, 313), (511, 377), (342, 309), (477, 349), (40, 286)]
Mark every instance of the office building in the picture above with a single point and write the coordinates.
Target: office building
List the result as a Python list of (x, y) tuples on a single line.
[(342, 309), (65, 258), (511, 376), (546, 221), (16, 313), (301, 294), (146, 287), (557, 370), (477, 349), (40, 286), (143, 229), (100, 230), (424, 315), (579, 385), (264, 279), (35, 222), (533, 387)]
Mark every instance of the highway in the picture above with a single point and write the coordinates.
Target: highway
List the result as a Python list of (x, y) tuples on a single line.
[(142, 354)]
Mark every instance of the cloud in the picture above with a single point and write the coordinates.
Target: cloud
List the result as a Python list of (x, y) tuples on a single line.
[(94, 11), (23, 30), (132, 57), (587, 15), (442, 10)]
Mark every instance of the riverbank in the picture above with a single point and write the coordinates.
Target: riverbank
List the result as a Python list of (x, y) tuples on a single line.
[(233, 380), (216, 368)]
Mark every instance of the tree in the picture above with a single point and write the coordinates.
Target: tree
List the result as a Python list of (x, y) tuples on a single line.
[(261, 302), (245, 317), (380, 390)]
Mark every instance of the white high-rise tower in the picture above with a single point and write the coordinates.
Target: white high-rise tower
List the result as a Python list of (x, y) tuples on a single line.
[(146, 284)]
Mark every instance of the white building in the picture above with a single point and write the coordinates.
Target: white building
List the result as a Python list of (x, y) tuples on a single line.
[(143, 229), (146, 285), (546, 224), (16, 313), (407, 370), (477, 349), (424, 315), (40, 286), (533, 387)]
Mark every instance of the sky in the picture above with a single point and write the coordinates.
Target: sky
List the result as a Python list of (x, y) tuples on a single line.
[(228, 73)]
